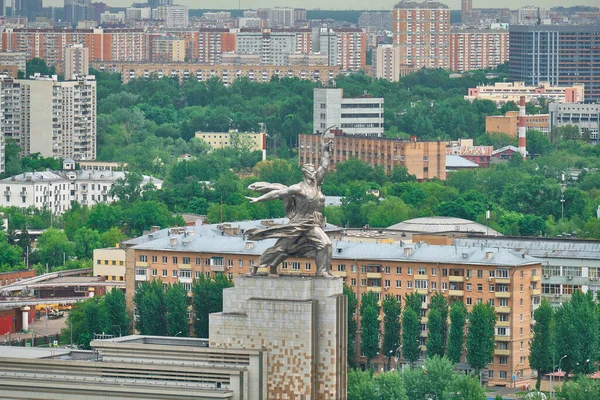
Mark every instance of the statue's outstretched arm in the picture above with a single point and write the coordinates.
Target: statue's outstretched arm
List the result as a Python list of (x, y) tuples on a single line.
[(275, 194)]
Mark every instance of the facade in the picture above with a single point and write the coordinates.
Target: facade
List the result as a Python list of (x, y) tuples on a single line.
[(173, 16), (55, 119), (57, 190), (226, 73), (422, 32), (509, 123), (167, 49), (568, 264), (378, 20), (503, 92), (344, 47), (109, 263), (212, 42), (76, 62), (477, 49), (353, 116), (585, 116), (8, 278), (559, 54), (133, 367), (16, 58), (479, 155), (102, 165), (425, 160), (510, 281), (386, 64), (249, 140)]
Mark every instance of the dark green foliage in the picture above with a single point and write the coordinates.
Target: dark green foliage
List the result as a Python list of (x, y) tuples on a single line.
[(352, 324), (440, 303), (391, 326), (480, 335), (413, 301), (118, 321), (207, 298), (177, 316), (411, 329), (456, 337), (540, 356), (149, 300), (369, 314)]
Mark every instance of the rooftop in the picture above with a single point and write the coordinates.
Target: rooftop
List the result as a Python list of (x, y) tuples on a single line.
[(443, 225)]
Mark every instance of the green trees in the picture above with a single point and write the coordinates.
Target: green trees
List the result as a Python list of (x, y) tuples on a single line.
[(207, 298), (352, 324), (177, 315), (117, 319), (437, 326), (54, 248), (480, 336), (149, 300), (391, 326), (86, 240), (411, 329), (540, 356), (369, 320)]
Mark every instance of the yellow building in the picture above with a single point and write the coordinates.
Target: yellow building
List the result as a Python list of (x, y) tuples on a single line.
[(250, 140), (110, 263)]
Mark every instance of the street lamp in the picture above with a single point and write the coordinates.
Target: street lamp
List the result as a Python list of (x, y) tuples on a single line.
[(118, 326), (553, 368), (177, 334)]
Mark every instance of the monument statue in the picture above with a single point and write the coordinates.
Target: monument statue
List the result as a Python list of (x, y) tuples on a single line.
[(303, 204)]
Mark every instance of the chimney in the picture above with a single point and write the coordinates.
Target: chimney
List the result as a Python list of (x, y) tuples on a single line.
[(522, 129)]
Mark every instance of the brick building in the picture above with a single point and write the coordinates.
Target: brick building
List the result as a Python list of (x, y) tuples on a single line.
[(503, 92), (508, 280), (425, 160), (509, 123)]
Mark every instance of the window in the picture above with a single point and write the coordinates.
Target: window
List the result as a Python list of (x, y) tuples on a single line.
[(502, 360), (479, 287), (490, 373), (154, 272), (341, 268), (444, 272), (363, 282), (502, 332), (398, 284), (284, 265), (197, 274), (521, 331), (307, 266), (492, 301), (433, 285), (409, 271), (164, 259), (469, 301), (386, 283), (186, 260), (154, 259), (491, 288), (503, 302), (363, 269), (492, 273), (143, 258), (198, 262), (521, 273), (480, 273), (502, 273), (420, 284), (217, 261), (409, 284), (444, 285), (295, 266), (469, 273), (521, 345), (174, 273), (186, 273), (352, 282), (175, 260), (521, 288), (502, 374), (422, 271), (521, 302), (240, 263), (138, 271), (353, 268), (398, 270), (469, 287), (433, 271), (387, 270), (164, 273)]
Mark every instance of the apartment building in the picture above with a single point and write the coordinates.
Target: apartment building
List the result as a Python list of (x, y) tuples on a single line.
[(477, 49), (212, 42), (274, 48), (173, 16), (16, 58), (346, 47), (506, 279), (167, 49), (509, 123), (76, 61), (422, 32), (353, 116), (386, 63), (562, 55), (569, 264), (57, 190), (55, 119), (425, 160), (226, 73), (109, 263), (249, 140), (584, 116), (503, 92)]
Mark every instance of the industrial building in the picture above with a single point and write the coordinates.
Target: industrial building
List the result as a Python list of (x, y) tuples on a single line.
[(586, 117)]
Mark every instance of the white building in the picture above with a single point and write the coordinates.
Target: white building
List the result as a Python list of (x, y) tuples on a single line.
[(174, 16), (76, 61), (354, 116), (274, 48), (585, 116), (281, 17), (57, 190), (386, 63)]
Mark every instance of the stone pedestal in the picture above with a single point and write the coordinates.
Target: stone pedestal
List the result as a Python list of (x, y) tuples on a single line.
[(300, 321)]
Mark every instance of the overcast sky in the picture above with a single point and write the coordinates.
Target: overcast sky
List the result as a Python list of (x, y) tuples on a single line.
[(344, 4)]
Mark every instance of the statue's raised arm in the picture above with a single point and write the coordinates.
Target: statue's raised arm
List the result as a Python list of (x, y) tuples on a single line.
[(326, 152)]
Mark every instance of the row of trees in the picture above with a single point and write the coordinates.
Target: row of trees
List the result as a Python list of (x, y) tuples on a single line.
[(401, 331), (567, 337), (436, 379)]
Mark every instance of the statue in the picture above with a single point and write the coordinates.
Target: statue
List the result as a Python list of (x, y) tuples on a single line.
[(303, 203)]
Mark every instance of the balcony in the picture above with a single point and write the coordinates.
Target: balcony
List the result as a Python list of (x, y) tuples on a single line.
[(502, 295), (453, 278), (502, 310), (456, 293), (340, 273), (503, 280), (217, 268), (421, 291), (185, 266), (503, 323), (185, 280), (501, 352), (373, 275), (141, 264), (376, 289), (536, 278), (502, 338), (536, 292), (141, 278)]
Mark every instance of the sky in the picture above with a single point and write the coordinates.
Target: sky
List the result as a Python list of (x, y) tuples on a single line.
[(344, 4)]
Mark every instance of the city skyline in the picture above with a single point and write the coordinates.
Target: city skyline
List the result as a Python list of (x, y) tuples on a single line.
[(348, 5)]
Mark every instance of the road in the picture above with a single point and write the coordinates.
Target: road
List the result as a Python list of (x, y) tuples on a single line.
[(39, 328)]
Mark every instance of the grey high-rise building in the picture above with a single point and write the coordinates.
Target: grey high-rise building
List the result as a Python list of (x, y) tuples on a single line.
[(77, 10), (559, 54), (156, 3)]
